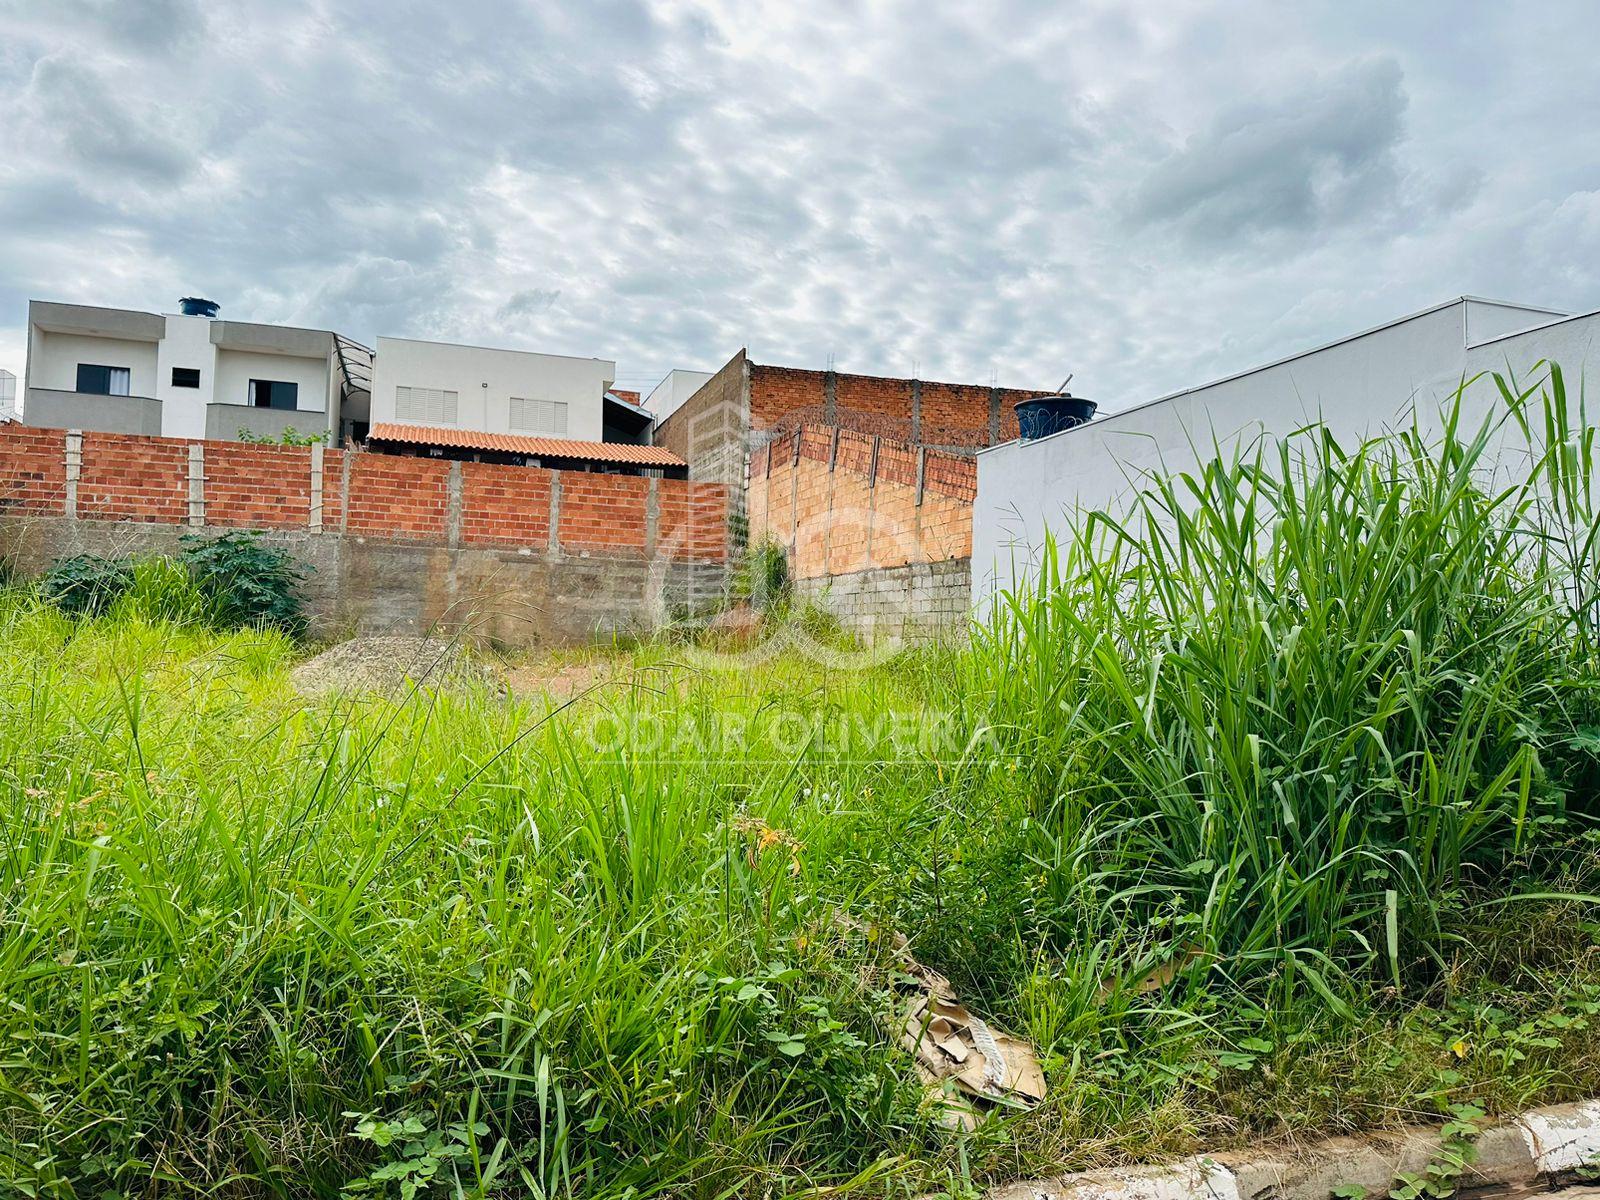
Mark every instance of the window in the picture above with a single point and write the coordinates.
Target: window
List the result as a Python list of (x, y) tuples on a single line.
[(271, 393), (431, 406), (186, 377), (103, 381), (539, 416)]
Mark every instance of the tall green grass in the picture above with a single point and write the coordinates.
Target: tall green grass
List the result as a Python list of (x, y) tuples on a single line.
[(1223, 815), (1299, 706)]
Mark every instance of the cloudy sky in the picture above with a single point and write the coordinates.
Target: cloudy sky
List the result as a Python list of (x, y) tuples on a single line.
[(1147, 195)]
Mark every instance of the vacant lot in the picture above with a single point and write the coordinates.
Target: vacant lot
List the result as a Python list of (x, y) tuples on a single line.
[(1278, 820)]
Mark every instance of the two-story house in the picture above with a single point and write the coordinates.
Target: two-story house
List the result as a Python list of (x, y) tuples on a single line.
[(187, 374)]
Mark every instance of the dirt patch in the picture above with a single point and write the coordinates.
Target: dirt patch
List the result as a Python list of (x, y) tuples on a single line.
[(390, 665), (559, 681)]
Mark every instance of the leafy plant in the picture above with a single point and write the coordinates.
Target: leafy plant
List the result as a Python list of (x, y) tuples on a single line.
[(85, 585), (289, 437), (762, 578), (245, 581)]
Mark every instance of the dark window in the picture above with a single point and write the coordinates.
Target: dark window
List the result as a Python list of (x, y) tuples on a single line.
[(186, 377), (102, 381), (270, 393)]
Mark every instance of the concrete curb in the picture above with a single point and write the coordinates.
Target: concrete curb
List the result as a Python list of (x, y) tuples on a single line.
[(1532, 1149)]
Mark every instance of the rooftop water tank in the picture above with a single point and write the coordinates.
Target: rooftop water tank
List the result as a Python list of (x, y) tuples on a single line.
[(1044, 415), (194, 306)]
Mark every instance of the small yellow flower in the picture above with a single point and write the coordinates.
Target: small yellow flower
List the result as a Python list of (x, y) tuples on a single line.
[(1460, 1048)]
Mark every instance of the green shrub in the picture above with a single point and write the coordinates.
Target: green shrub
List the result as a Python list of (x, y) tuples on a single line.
[(85, 585), (762, 579), (246, 582)]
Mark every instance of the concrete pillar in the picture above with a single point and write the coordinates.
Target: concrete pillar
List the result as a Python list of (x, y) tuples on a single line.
[(452, 507), (314, 520), (830, 396), (916, 410), (555, 515), (922, 472), (74, 451), (197, 484), (652, 517), (994, 416)]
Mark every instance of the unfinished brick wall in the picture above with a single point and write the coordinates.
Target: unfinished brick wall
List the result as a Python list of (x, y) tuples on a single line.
[(505, 506), (842, 502), (170, 481), (591, 508), (392, 496), (126, 477), (257, 487), (33, 469), (712, 429)]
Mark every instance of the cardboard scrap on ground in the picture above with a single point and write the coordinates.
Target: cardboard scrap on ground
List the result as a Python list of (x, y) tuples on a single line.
[(974, 1066)]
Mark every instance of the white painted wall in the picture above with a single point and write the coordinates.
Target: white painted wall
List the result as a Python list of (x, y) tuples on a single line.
[(669, 395), (236, 368), (55, 358), (187, 344), (1358, 386), (485, 380), (8, 394)]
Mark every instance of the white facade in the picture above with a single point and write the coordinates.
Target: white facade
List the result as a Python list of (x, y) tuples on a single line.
[(8, 396), (672, 391), (1358, 386), (490, 391), (177, 376)]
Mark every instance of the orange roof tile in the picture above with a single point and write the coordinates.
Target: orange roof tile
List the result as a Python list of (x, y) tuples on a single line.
[(516, 443)]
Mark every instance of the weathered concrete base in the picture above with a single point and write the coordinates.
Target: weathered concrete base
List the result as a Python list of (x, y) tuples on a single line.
[(1539, 1147), (917, 601), (372, 585)]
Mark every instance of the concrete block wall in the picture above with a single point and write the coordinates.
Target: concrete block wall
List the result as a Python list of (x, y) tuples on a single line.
[(532, 555)]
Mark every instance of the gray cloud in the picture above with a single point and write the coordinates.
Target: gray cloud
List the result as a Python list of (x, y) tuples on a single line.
[(1293, 163), (1018, 190)]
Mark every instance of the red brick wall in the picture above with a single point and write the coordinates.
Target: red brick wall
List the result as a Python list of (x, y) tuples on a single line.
[(949, 412), (505, 506), (131, 478), (126, 477), (693, 521), (844, 519), (33, 469), (398, 497), (595, 511), (258, 487)]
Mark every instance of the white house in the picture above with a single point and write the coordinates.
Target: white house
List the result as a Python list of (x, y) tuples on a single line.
[(8, 396), (673, 390), (187, 375), (489, 391), (1357, 385)]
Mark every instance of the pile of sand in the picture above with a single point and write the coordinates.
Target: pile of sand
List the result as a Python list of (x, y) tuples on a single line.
[(391, 665)]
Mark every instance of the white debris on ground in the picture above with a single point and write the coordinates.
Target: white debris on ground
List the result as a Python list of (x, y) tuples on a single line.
[(389, 665)]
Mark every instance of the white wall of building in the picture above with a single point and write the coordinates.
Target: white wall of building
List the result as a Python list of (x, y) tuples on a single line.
[(187, 344), (55, 359), (1358, 386), (485, 380), (672, 391)]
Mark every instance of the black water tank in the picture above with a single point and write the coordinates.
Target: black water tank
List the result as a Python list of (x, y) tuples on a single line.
[(1044, 415), (193, 306)]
